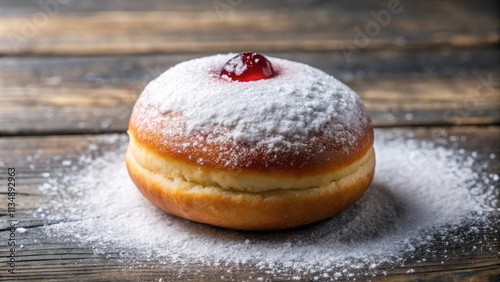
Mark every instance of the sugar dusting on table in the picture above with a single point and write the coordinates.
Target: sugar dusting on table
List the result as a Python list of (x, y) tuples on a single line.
[(422, 192)]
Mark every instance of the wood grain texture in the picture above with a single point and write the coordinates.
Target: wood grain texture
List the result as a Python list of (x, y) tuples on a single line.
[(77, 67), (118, 27), (45, 258), (60, 95)]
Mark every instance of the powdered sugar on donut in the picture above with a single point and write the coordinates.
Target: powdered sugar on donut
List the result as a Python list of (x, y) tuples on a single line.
[(295, 104)]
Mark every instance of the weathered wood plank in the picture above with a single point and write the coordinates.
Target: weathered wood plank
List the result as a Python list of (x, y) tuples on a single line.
[(50, 259), (16, 8), (115, 27), (95, 94)]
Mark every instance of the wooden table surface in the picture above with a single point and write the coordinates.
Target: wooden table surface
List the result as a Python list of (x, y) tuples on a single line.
[(71, 71)]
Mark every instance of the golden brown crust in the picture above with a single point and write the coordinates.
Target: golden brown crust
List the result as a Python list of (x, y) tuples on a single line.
[(320, 153), (244, 180), (250, 211)]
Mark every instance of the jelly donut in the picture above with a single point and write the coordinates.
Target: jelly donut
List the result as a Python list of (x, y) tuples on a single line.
[(248, 142)]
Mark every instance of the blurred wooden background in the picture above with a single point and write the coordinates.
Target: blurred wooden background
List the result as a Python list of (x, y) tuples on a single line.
[(72, 69)]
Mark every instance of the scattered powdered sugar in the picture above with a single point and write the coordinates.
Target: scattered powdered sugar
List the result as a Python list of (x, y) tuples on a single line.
[(299, 101), (421, 192)]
